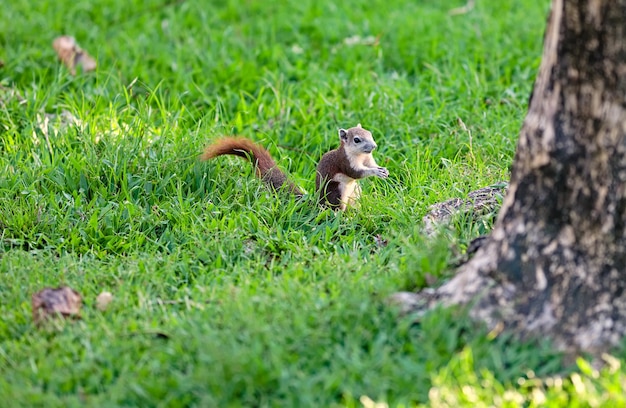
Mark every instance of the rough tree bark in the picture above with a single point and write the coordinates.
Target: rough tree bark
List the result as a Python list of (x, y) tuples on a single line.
[(555, 262)]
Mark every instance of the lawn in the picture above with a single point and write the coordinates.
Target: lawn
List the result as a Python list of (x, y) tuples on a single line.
[(224, 293)]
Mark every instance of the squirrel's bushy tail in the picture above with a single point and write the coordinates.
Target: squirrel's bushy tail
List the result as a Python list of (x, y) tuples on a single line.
[(265, 166)]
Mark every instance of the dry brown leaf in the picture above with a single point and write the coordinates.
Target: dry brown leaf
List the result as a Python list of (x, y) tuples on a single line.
[(72, 55), (48, 303), (103, 300)]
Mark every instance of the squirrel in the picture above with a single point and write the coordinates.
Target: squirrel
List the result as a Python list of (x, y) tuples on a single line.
[(337, 171)]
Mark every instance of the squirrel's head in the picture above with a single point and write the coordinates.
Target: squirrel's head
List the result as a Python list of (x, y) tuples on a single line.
[(357, 140)]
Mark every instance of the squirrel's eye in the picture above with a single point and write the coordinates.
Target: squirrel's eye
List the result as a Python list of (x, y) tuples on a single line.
[(357, 140)]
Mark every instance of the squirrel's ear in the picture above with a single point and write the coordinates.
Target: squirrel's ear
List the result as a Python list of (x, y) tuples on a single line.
[(343, 134), (358, 125)]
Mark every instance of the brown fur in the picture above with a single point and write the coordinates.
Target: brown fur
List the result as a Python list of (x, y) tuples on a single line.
[(337, 171), (265, 166)]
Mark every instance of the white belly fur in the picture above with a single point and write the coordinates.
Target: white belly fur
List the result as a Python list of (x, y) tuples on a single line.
[(349, 189)]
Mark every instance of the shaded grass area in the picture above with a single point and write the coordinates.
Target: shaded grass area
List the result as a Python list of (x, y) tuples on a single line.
[(224, 293)]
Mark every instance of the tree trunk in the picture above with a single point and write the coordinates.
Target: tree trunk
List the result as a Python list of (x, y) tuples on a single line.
[(555, 262)]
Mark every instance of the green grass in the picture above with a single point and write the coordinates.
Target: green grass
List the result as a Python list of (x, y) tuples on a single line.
[(226, 295)]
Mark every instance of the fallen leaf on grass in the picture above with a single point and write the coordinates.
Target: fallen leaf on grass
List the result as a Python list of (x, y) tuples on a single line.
[(103, 300), (63, 302), (72, 55)]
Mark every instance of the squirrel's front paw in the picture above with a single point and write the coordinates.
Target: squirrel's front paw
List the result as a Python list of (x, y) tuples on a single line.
[(382, 172)]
